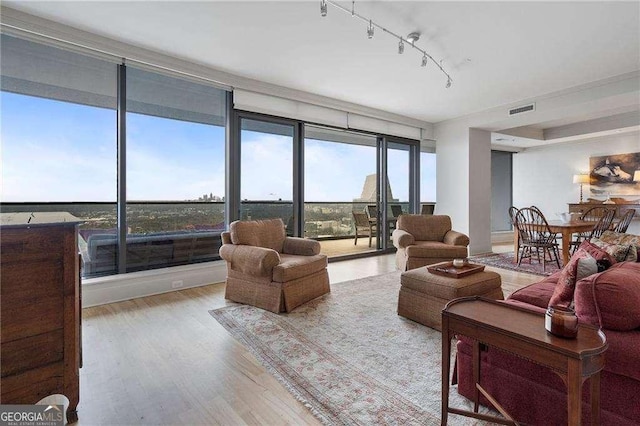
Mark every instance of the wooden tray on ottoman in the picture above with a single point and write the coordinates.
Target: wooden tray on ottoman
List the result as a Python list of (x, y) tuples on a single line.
[(448, 270)]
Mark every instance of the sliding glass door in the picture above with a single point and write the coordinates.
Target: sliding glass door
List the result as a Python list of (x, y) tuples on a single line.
[(340, 190)]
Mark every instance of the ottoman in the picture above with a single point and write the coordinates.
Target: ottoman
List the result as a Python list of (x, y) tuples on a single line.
[(423, 294)]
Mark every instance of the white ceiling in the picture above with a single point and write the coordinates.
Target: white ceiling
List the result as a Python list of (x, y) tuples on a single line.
[(497, 53)]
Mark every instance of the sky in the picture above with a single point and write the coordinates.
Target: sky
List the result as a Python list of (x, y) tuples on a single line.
[(55, 151)]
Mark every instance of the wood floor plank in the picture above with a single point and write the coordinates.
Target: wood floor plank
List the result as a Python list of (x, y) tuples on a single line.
[(164, 360)]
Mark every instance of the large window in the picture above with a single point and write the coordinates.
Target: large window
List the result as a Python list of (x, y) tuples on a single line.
[(59, 135), (175, 170), (60, 153)]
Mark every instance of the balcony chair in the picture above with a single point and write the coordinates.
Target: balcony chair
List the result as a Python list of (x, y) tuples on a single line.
[(427, 208), (269, 270), (396, 210), (426, 239), (364, 227)]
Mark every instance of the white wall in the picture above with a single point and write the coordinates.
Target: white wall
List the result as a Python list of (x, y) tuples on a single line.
[(543, 176), (463, 157)]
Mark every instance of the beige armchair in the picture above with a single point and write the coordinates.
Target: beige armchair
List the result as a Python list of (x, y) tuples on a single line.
[(269, 270), (426, 239)]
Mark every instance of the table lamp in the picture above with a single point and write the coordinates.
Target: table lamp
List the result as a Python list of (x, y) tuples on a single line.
[(636, 176), (581, 179)]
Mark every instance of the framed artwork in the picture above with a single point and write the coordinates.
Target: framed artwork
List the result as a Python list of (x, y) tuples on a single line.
[(613, 174)]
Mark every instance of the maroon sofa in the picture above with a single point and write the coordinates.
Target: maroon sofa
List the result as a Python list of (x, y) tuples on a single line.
[(533, 394)]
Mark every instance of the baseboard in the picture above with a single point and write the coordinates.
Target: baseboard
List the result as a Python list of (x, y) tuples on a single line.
[(116, 288)]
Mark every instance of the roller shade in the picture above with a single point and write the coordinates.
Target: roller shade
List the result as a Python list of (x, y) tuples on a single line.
[(266, 104), (361, 122), (164, 96), (35, 69), (44, 71), (289, 108)]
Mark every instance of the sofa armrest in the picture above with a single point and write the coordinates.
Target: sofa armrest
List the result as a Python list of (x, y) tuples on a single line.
[(250, 260), (301, 246), (456, 238), (402, 239)]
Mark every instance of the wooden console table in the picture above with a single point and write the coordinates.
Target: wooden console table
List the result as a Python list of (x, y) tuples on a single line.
[(621, 209), (521, 332)]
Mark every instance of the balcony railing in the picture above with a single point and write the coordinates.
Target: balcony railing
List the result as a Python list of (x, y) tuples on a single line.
[(161, 234)]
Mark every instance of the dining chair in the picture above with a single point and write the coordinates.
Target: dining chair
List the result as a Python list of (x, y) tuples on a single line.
[(603, 224), (594, 214), (535, 235), (624, 222)]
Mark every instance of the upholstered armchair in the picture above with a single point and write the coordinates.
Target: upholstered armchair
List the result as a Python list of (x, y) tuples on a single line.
[(269, 270), (426, 239)]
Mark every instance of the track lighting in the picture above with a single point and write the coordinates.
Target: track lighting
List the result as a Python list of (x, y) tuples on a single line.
[(412, 38), (370, 29)]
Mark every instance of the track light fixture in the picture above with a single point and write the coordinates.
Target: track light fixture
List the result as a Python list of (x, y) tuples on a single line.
[(411, 39), (370, 30)]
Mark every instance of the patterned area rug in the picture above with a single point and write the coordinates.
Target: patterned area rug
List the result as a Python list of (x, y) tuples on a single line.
[(506, 261), (349, 357)]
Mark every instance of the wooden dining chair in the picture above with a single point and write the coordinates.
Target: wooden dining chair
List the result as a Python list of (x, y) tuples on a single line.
[(535, 235), (603, 224), (624, 222)]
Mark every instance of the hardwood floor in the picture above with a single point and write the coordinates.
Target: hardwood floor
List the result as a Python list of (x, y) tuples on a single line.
[(163, 360)]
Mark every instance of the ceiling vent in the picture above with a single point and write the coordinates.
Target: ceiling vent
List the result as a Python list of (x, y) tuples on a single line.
[(522, 109)]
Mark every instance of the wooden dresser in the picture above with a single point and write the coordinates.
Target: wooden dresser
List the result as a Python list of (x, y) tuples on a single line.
[(40, 290), (621, 209)]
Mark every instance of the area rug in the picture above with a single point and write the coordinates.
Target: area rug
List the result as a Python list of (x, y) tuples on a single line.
[(506, 261), (349, 357)]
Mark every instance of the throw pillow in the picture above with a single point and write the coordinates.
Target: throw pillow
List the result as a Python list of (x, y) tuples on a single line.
[(563, 292), (623, 239), (618, 251), (597, 252)]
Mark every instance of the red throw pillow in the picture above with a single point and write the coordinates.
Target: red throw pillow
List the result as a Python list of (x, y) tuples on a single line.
[(563, 292)]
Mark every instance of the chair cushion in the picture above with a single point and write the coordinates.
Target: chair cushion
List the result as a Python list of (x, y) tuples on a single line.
[(425, 228), (435, 249), (268, 233), (292, 266)]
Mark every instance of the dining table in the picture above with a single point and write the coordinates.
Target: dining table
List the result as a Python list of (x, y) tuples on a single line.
[(566, 229)]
